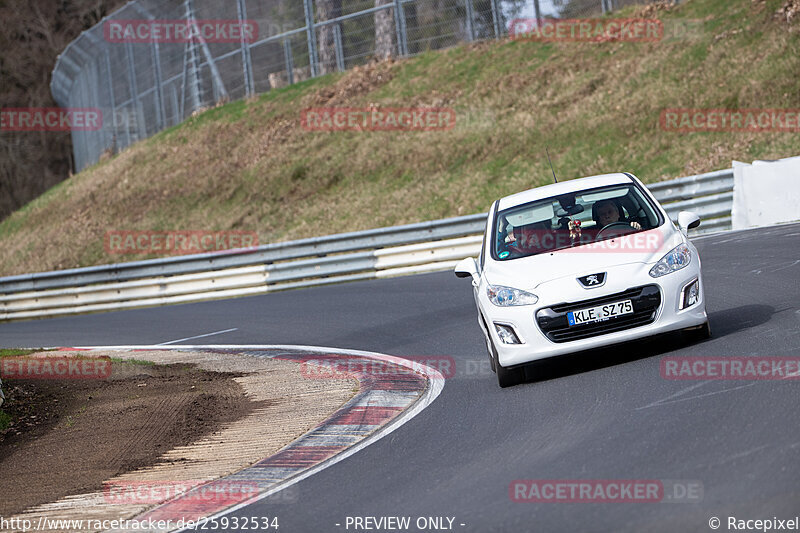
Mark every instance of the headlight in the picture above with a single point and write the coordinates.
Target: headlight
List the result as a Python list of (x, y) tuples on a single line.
[(507, 296), (678, 258)]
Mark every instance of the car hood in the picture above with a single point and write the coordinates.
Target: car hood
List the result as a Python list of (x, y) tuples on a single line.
[(528, 273)]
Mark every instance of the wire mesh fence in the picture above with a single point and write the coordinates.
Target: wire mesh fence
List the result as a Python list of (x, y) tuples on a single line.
[(153, 63)]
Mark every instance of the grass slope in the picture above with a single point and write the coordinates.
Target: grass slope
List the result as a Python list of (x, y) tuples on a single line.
[(249, 165)]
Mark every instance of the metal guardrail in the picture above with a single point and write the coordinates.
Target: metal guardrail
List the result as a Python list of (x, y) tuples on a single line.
[(377, 253)]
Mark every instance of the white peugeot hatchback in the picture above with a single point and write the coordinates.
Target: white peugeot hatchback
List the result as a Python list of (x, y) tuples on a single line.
[(582, 264)]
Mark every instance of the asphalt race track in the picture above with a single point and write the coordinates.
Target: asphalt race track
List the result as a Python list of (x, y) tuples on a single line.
[(599, 415)]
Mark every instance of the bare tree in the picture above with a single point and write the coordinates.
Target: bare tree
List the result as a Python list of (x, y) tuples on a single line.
[(385, 31), (32, 35), (328, 10)]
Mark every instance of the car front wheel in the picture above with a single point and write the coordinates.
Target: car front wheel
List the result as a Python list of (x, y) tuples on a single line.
[(506, 377)]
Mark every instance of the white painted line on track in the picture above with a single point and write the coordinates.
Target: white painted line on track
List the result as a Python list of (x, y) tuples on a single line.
[(198, 336), (435, 385)]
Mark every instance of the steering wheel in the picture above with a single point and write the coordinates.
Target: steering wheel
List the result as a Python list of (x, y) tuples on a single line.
[(618, 223)]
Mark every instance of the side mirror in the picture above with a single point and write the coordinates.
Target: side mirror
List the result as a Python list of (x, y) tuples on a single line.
[(467, 268), (688, 220)]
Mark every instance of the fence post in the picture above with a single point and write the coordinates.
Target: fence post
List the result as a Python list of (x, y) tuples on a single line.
[(247, 65), (538, 12), (134, 90), (175, 105), (191, 66), (156, 58), (159, 87), (312, 37), (113, 101), (220, 92), (400, 23), (287, 56), (469, 20), (496, 19), (337, 39)]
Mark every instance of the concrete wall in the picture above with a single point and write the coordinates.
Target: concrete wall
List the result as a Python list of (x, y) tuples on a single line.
[(766, 193)]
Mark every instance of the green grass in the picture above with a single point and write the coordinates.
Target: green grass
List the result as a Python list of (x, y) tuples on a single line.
[(133, 361), (13, 352), (249, 165), (5, 420)]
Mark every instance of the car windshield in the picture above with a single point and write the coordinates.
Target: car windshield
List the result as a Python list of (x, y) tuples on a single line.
[(571, 220)]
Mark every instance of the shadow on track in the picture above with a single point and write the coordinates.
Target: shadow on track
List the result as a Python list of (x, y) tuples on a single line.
[(739, 318)]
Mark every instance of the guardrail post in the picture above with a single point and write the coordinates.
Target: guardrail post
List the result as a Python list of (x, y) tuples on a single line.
[(312, 37)]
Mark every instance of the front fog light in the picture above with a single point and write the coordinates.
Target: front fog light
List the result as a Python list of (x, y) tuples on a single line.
[(506, 334), (690, 294)]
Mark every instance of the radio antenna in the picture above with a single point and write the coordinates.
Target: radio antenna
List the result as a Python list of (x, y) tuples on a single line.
[(551, 164)]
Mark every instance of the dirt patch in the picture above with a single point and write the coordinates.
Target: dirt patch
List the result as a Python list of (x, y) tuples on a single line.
[(789, 11), (67, 436), (652, 10), (359, 81)]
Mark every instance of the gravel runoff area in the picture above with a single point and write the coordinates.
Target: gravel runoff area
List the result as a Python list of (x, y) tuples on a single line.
[(279, 405)]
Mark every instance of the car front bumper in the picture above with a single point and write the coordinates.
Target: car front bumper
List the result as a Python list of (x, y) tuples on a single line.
[(558, 296)]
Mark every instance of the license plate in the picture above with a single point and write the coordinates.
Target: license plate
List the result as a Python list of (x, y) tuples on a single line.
[(600, 313)]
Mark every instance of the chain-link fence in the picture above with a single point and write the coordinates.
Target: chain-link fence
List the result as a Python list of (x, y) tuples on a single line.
[(152, 63)]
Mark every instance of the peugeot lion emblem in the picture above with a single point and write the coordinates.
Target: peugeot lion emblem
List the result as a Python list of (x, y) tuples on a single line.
[(592, 280)]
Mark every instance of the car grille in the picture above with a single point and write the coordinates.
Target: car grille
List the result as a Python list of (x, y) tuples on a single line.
[(554, 324)]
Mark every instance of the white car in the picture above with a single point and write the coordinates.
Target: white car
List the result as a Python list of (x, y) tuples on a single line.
[(581, 264)]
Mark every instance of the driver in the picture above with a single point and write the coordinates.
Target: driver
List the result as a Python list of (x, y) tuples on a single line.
[(607, 212)]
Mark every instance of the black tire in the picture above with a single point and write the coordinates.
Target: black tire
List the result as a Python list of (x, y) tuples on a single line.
[(705, 331), (489, 347), (506, 377)]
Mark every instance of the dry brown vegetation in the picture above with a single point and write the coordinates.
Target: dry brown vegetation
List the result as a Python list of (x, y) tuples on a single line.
[(251, 166), (32, 35)]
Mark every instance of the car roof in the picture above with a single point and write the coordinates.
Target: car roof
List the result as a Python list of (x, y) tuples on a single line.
[(563, 187)]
